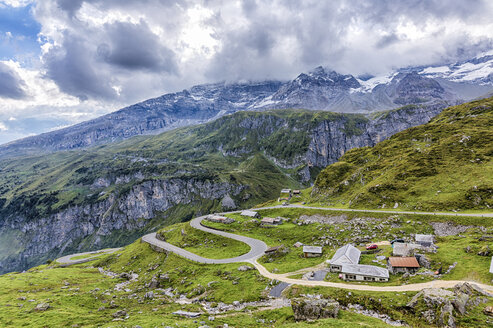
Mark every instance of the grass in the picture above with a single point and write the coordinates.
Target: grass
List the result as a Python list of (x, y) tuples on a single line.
[(443, 165), (451, 249), (81, 290), (203, 243)]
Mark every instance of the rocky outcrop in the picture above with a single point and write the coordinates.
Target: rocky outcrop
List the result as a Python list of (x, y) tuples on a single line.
[(312, 308), (441, 307), (331, 139), (91, 226)]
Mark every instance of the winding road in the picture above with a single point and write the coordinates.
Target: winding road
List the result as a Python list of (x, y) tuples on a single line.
[(258, 247), (67, 259)]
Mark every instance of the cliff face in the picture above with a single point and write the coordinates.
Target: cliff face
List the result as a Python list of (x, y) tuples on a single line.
[(330, 140), (293, 140), (88, 227)]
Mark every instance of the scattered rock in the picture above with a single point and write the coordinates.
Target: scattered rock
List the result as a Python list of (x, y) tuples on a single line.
[(154, 283), (443, 229), (488, 311), (125, 275), (119, 314), (485, 251), (245, 268), (42, 307), (149, 295), (314, 308)]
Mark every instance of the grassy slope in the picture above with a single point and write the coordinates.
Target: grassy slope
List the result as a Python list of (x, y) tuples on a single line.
[(443, 165), (195, 280), (452, 248), (76, 293), (228, 149)]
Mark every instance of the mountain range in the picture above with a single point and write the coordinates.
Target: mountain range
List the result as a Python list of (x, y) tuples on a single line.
[(320, 89)]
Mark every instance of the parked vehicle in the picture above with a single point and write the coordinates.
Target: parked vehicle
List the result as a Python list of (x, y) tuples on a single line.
[(372, 246), (397, 241)]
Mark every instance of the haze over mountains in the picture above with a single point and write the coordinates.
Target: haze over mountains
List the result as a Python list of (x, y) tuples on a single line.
[(320, 89)]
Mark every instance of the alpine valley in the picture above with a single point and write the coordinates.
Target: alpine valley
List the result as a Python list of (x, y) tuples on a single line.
[(224, 146), (358, 160)]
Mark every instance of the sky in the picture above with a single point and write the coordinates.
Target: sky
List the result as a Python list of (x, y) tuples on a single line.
[(66, 61)]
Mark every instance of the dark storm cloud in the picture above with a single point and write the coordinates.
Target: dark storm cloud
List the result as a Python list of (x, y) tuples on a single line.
[(11, 84), (71, 66), (134, 46)]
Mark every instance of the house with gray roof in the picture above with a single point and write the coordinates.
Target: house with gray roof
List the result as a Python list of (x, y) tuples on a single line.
[(404, 249), (491, 265), (251, 214), (347, 254), (363, 272), (424, 240), (312, 251)]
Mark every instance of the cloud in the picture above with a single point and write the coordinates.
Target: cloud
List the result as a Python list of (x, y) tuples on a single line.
[(135, 46), (11, 84), (71, 66), (99, 55)]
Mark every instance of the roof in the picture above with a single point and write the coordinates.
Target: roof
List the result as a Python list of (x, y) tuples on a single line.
[(491, 265), (346, 254), (287, 191), (187, 314), (365, 270), (272, 249), (404, 249), (249, 213), (404, 262), (270, 220), (424, 238), (298, 244), (312, 249)]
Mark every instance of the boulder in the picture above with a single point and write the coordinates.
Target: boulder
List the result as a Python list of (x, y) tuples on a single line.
[(488, 311), (446, 318), (460, 303), (312, 308), (119, 314), (154, 283), (444, 305), (245, 268), (484, 251), (125, 275), (42, 307), (423, 261)]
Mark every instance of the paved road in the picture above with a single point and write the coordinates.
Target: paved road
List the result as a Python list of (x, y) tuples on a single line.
[(375, 211), (66, 260), (257, 247), (278, 289)]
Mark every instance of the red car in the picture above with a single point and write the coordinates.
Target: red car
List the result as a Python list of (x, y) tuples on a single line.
[(372, 246)]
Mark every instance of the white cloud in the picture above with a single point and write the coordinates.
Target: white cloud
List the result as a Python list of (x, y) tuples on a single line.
[(99, 55), (16, 3)]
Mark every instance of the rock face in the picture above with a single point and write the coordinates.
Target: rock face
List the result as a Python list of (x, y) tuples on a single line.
[(67, 231), (314, 308), (441, 307)]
